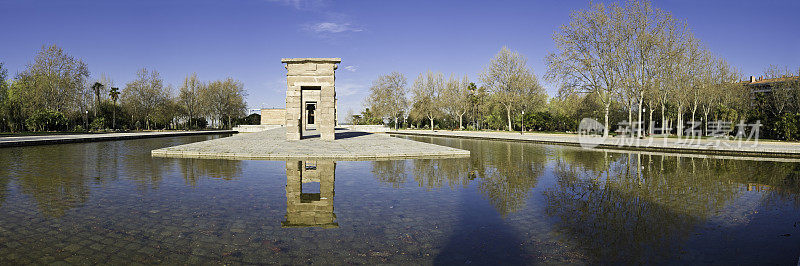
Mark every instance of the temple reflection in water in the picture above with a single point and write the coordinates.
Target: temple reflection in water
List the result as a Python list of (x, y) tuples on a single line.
[(309, 194)]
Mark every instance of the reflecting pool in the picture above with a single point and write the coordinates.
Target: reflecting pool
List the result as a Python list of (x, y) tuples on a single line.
[(111, 202)]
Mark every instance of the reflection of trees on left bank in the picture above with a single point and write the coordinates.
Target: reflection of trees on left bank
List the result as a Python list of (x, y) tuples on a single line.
[(147, 171), (195, 169), (57, 177), (505, 171)]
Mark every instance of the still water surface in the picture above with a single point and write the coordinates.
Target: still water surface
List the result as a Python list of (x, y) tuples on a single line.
[(111, 202)]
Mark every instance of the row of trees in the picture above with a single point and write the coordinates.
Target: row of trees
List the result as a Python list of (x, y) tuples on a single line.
[(643, 59), (509, 87), (629, 63), (55, 92)]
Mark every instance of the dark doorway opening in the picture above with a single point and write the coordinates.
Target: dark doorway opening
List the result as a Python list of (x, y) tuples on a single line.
[(310, 107)]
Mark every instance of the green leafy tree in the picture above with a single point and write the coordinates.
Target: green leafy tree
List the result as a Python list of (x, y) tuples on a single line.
[(46, 120)]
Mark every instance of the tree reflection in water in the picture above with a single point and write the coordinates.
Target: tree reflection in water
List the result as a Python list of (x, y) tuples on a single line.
[(641, 208), (629, 207), (59, 177), (509, 172), (505, 172), (390, 172), (54, 176), (431, 174), (194, 170)]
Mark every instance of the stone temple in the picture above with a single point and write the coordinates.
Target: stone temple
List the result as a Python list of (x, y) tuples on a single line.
[(310, 115), (310, 97)]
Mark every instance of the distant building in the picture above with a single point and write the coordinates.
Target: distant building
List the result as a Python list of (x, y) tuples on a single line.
[(253, 111), (761, 85), (273, 116)]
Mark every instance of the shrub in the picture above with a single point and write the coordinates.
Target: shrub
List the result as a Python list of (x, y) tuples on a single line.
[(98, 124), (788, 127), (46, 120)]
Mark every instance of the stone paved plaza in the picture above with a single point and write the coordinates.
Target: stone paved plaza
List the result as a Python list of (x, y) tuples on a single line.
[(348, 146)]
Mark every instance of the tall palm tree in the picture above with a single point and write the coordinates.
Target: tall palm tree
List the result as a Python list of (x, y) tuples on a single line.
[(114, 93), (97, 87)]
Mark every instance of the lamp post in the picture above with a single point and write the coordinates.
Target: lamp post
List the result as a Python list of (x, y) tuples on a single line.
[(523, 123), (645, 133)]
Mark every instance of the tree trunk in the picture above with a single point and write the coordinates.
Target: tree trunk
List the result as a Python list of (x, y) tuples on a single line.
[(630, 117), (460, 121), (97, 104), (680, 122), (640, 124), (605, 130), (663, 120), (508, 115), (114, 118), (650, 125)]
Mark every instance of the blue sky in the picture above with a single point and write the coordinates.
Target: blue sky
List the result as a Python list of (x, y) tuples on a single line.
[(245, 39)]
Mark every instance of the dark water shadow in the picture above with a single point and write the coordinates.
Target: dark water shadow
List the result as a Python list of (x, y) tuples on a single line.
[(481, 237), (636, 211)]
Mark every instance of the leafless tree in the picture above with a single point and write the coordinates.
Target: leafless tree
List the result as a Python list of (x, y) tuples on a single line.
[(590, 51), (511, 82), (223, 99), (144, 95), (457, 94), (188, 97), (426, 96), (388, 96)]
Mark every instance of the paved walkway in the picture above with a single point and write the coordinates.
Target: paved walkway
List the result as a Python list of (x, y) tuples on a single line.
[(724, 147), (59, 139), (348, 146)]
